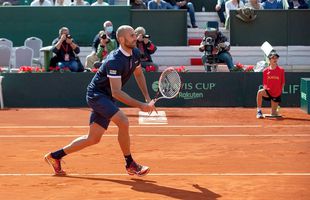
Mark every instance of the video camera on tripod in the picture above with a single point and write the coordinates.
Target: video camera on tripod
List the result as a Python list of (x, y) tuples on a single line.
[(208, 42)]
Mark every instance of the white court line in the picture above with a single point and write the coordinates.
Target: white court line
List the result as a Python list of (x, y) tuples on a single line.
[(164, 126), (167, 174), (159, 135)]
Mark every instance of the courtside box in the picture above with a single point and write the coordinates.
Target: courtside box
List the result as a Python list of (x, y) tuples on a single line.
[(305, 94)]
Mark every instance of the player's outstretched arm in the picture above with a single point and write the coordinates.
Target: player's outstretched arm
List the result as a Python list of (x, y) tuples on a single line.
[(120, 95), (140, 79)]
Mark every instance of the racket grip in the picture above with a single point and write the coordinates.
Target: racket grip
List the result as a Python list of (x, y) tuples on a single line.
[(152, 102)]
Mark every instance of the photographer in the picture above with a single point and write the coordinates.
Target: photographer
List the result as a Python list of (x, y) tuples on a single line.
[(146, 47), (66, 49), (216, 49), (106, 45)]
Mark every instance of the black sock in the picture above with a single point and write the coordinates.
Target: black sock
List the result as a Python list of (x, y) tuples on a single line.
[(58, 154), (128, 160)]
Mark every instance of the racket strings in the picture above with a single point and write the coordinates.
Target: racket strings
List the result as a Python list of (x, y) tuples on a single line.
[(170, 84)]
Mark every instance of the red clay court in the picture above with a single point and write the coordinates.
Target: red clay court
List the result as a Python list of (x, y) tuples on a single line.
[(201, 153)]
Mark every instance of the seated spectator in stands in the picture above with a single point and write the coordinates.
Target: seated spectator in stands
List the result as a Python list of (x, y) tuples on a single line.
[(100, 3), (60, 3), (185, 4), (79, 3), (105, 46), (273, 4), (297, 4), (111, 2), (146, 47), (255, 4), (232, 5), (41, 3), (66, 51), (216, 48), (137, 4), (92, 57), (108, 28), (220, 9), (158, 4)]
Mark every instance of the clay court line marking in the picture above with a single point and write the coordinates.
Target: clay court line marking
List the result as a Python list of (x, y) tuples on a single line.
[(170, 174), (158, 135), (163, 126)]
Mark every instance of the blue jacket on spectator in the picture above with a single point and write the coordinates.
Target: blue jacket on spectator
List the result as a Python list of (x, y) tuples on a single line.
[(152, 5), (276, 4)]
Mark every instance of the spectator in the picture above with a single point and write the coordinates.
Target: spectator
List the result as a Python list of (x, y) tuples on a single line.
[(146, 47), (255, 4), (185, 4), (273, 4), (105, 46), (79, 3), (108, 28), (41, 3), (92, 57), (60, 3), (232, 5), (137, 4), (111, 2), (66, 50), (158, 4), (297, 4), (220, 9), (100, 3), (216, 48)]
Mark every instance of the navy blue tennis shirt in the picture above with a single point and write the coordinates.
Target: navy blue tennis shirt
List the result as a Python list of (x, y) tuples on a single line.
[(118, 64)]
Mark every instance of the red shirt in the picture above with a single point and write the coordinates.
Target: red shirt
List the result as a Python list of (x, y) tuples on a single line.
[(274, 80)]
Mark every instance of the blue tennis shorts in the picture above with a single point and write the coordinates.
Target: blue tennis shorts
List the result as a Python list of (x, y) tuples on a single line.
[(103, 109)]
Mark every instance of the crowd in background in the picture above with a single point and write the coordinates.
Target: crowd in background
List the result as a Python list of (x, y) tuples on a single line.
[(66, 50)]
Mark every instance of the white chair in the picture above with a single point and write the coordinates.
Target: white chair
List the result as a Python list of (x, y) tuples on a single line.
[(35, 44), (23, 56), (5, 56), (6, 42)]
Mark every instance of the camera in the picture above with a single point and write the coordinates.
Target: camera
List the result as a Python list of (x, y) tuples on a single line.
[(103, 36), (208, 44), (69, 36), (146, 36), (210, 36)]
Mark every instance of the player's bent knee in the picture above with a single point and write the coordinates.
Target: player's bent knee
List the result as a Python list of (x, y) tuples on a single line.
[(93, 140), (121, 120)]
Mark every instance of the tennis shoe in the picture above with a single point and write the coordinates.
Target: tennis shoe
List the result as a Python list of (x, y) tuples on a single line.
[(136, 169), (55, 164), (259, 115)]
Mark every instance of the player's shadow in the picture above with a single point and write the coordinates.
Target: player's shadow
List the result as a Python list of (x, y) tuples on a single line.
[(141, 185), (296, 119)]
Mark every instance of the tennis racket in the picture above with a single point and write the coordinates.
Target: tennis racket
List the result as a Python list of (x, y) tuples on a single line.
[(169, 85)]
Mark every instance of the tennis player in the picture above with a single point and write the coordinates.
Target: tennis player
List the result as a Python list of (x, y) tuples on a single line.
[(273, 83), (103, 90)]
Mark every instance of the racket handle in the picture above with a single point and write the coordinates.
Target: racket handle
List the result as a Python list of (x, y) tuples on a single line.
[(152, 103)]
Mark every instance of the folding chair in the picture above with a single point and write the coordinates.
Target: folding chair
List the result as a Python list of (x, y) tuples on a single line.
[(35, 44), (23, 56), (6, 42), (5, 57)]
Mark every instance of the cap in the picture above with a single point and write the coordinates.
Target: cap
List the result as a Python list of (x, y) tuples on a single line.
[(273, 53)]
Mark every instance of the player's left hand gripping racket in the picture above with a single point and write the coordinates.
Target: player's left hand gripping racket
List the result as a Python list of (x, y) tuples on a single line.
[(169, 84)]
